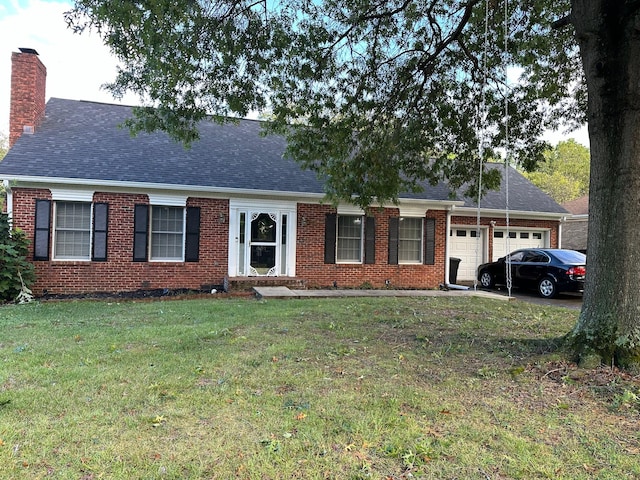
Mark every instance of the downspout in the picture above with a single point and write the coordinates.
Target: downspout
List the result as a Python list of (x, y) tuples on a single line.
[(9, 204), (446, 246), (562, 220)]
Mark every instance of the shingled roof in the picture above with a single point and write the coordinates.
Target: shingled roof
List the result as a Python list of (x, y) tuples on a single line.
[(81, 140)]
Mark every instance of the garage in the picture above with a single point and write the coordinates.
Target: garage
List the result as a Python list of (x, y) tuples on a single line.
[(465, 245), (517, 239)]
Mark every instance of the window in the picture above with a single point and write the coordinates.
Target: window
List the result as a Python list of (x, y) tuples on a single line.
[(72, 231), (171, 234), (167, 233), (524, 235), (516, 256), (410, 240), (349, 239), (537, 236), (79, 230)]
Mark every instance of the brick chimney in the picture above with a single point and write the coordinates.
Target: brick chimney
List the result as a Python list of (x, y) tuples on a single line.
[(28, 83)]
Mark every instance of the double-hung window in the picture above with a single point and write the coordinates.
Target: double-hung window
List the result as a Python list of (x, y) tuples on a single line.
[(349, 239), (410, 240), (72, 231), (71, 228), (167, 233)]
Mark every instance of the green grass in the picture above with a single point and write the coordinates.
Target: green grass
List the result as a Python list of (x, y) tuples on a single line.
[(445, 388)]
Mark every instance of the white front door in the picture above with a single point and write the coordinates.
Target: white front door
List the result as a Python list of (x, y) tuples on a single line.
[(262, 241)]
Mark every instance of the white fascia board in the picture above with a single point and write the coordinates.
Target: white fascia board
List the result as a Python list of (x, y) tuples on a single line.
[(208, 191), (123, 187), (519, 214), (577, 218)]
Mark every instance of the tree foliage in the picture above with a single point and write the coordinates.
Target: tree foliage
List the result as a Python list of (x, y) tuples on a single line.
[(564, 173), (376, 97), (16, 273), (380, 97)]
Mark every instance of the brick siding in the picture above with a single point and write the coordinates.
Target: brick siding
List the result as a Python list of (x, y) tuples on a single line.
[(310, 254), (28, 84), (119, 273)]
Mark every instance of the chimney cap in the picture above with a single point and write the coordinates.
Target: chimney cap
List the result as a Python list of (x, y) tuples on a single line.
[(28, 50)]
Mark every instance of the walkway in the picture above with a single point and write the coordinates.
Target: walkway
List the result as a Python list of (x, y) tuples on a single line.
[(285, 292)]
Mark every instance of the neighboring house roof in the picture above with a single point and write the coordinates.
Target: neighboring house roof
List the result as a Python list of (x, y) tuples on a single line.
[(81, 140), (575, 229), (579, 206), (524, 196)]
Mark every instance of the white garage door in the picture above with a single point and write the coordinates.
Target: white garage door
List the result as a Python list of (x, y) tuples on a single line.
[(517, 239), (465, 245)]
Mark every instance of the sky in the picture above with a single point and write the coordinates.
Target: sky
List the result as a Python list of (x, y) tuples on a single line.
[(78, 65)]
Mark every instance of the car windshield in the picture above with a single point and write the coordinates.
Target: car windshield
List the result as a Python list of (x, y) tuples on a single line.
[(570, 256)]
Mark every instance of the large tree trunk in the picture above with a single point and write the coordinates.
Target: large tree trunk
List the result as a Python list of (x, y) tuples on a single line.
[(608, 33)]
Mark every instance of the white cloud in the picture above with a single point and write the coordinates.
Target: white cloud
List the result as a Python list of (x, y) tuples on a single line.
[(77, 65)]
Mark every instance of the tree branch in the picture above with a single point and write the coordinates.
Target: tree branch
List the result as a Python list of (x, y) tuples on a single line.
[(562, 22)]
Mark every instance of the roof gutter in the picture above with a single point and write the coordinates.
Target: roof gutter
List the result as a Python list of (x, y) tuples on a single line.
[(210, 191), (500, 213)]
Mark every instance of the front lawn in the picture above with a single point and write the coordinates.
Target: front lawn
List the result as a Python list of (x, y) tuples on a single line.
[(442, 388)]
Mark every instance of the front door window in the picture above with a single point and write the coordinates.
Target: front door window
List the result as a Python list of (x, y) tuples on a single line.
[(263, 248)]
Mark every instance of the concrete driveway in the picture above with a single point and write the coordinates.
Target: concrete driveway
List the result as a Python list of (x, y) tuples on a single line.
[(566, 300)]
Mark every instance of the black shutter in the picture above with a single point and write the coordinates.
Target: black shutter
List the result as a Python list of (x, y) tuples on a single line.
[(330, 230), (140, 233), (100, 226), (394, 231), (370, 240), (42, 232), (430, 241), (192, 239)]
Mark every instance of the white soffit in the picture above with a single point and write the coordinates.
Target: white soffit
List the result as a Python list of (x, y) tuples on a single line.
[(72, 195), (167, 200)]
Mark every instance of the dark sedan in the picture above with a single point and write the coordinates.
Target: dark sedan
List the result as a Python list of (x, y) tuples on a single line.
[(548, 271)]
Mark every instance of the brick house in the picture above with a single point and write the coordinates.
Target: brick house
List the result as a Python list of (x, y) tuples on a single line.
[(576, 226), (110, 213)]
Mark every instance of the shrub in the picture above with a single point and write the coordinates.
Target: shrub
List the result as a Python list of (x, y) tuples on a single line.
[(16, 273)]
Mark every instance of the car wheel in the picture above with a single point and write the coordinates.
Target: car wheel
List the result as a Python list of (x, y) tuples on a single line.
[(547, 288), (486, 280)]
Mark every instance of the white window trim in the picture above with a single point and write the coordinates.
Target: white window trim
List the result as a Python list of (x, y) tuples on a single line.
[(362, 222), (413, 262), (164, 200), (184, 230), (67, 195), (54, 232), (350, 210)]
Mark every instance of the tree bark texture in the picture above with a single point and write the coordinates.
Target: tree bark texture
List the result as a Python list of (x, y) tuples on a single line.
[(608, 35)]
